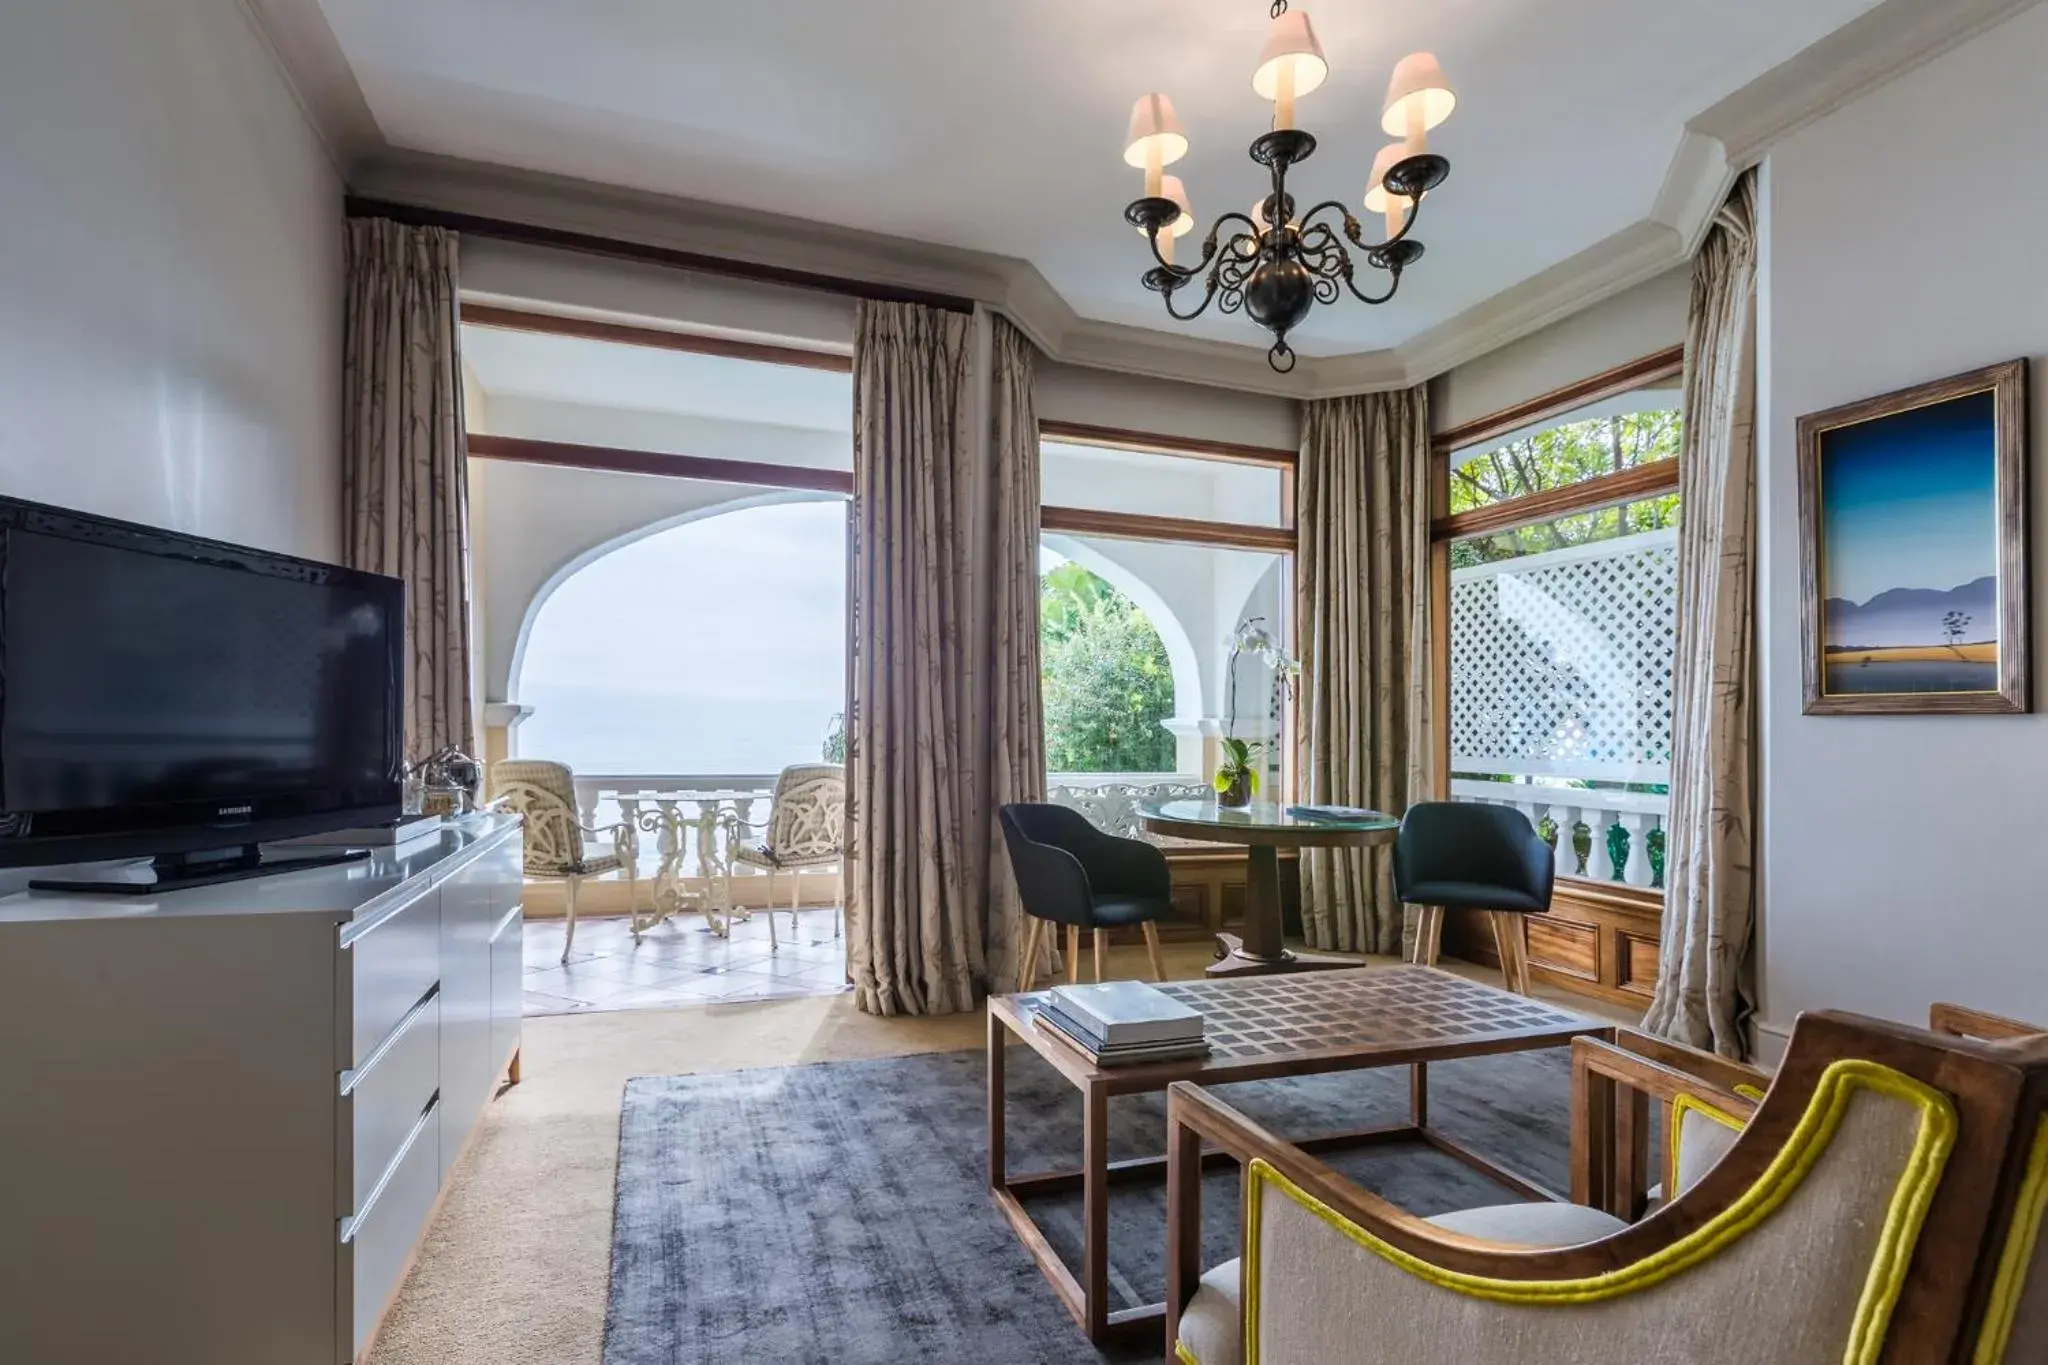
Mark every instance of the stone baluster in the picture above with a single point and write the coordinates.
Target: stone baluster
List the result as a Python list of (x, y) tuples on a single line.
[(587, 801), (1566, 853), (1638, 872)]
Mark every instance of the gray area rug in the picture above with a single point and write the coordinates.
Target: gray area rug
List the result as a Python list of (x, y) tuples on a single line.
[(838, 1213)]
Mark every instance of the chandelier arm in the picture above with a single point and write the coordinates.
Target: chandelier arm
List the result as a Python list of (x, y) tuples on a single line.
[(1188, 272), (1393, 283), (1208, 297)]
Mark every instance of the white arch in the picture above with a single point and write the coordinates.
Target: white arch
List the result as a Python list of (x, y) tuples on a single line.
[(1180, 649), (584, 558)]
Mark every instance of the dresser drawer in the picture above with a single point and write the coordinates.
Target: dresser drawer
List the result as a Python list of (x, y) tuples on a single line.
[(394, 964), (383, 1099), (377, 1242)]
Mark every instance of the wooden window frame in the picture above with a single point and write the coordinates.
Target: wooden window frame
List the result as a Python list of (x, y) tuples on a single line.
[(1283, 540), (1611, 906)]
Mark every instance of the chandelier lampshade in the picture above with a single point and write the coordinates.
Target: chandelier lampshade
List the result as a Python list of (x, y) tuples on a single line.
[(1156, 136), (1292, 59), (1418, 98), (1171, 188)]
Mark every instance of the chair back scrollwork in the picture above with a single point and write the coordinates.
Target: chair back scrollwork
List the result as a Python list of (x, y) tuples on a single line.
[(545, 795), (808, 817)]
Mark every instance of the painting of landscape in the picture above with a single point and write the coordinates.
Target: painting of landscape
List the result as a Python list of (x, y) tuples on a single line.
[(1909, 551)]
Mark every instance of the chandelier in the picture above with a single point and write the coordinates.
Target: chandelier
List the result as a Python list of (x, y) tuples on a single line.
[(1279, 266)]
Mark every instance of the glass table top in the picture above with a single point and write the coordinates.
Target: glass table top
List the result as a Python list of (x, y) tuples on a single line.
[(1268, 815)]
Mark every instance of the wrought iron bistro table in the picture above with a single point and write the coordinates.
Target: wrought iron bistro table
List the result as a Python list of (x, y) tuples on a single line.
[(1258, 1028), (1264, 829)]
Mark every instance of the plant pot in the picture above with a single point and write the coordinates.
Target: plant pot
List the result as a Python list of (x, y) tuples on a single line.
[(1237, 794)]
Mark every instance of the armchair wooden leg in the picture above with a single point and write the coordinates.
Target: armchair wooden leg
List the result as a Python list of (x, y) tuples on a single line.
[(1073, 953), (1101, 947), (1429, 934), (1027, 966), (569, 938), (1510, 938), (1152, 950)]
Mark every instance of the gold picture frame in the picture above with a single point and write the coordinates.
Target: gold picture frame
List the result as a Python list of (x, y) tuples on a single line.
[(1913, 539)]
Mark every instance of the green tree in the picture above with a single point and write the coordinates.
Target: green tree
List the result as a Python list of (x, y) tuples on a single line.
[(1559, 457), (1105, 676)]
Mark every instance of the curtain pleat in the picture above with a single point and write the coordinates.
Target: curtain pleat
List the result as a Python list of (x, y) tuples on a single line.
[(1362, 603), (405, 485), (1704, 989), (916, 899), (1016, 770)]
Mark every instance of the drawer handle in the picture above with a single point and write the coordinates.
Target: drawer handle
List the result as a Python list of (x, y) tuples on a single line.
[(352, 1078), (353, 1225)]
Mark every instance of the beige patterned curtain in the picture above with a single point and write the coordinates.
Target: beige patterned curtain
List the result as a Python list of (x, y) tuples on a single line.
[(1703, 980), (404, 472), (1016, 769), (916, 895), (1362, 601)]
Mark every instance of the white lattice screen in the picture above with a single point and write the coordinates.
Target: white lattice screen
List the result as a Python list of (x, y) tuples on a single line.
[(1561, 661)]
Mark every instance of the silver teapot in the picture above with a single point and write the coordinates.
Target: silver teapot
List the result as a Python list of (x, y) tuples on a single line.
[(452, 781)]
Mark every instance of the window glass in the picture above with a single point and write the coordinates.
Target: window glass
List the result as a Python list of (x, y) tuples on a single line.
[(1561, 642), (1138, 670), (717, 646), (1604, 438)]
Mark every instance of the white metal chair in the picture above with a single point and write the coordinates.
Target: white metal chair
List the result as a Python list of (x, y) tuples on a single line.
[(806, 828), (544, 794)]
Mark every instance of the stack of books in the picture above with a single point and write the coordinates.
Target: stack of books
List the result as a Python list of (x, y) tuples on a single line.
[(1119, 1023)]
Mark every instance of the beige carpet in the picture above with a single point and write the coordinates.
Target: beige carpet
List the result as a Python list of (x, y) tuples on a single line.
[(515, 1269)]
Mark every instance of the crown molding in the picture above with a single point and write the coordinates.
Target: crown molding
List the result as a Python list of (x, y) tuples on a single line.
[(1883, 43), (309, 58), (1876, 47)]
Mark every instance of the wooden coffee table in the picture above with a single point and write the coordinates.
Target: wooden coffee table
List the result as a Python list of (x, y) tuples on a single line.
[(1259, 1027)]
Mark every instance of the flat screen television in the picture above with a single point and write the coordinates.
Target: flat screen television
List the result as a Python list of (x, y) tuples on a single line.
[(179, 699)]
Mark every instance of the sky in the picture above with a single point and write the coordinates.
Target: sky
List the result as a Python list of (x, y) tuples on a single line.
[(1909, 501), (717, 646)]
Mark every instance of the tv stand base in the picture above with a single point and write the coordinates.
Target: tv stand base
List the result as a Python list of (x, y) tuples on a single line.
[(207, 867)]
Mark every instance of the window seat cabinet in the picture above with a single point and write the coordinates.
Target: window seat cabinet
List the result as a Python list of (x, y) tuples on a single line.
[(227, 1114)]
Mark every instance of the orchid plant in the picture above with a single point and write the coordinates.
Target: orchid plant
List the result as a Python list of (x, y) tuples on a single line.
[(1236, 781)]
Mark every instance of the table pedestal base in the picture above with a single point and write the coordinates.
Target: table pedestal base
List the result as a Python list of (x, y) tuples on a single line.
[(1233, 960)]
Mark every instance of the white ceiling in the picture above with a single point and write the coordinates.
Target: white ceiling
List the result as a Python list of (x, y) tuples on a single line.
[(603, 374), (998, 127)]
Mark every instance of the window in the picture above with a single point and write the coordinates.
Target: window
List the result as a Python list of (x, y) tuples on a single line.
[(1153, 556), (1560, 561), (715, 646)]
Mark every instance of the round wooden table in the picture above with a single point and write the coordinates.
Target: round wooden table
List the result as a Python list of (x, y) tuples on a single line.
[(1264, 829)]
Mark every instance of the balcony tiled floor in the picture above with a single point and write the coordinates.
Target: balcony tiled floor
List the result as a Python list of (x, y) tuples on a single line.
[(679, 963)]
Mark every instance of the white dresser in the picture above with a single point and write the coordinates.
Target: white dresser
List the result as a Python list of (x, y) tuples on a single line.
[(227, 1114)]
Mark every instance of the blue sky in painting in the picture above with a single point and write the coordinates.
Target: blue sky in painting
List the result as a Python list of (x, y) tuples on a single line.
[(1909, 501)]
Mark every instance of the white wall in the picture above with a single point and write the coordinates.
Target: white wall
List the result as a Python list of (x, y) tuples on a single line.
[(1633, 323), (1103, 398), (170, 275), (1904, 857)]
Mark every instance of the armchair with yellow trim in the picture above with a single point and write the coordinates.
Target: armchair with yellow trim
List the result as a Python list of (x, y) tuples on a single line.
[(1881, 1204)]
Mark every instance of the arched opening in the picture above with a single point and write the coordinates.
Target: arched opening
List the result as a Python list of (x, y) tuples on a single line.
[(714, 645), (1110, 677)]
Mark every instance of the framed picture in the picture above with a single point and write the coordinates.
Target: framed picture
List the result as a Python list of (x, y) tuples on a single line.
[(1913, 529)]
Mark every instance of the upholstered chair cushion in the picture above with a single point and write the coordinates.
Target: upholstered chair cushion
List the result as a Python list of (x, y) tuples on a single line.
[(1211, 1327), (1789, 1289), (1532, 1225), (545, 794)]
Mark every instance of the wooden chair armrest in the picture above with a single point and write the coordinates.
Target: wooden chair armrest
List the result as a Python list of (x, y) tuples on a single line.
[(1613, 1086), (1710, 1068), (1960, 1021)]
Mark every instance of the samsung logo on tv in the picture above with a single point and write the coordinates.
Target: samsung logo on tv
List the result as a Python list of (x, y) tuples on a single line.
[(236, 810)]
